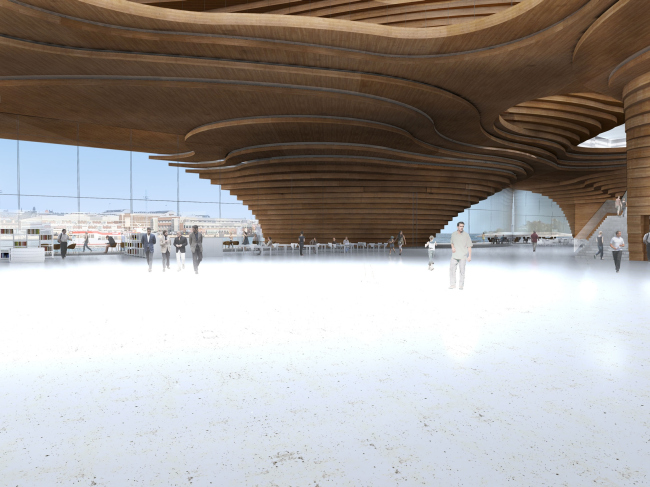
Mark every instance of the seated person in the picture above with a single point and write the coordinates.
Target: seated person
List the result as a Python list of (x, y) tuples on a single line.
[(111, 243), (270, 242), (346, 244), (313, 241), (334, 242)]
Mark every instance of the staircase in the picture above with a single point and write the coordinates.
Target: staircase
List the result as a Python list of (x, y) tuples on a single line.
[(609, 227)]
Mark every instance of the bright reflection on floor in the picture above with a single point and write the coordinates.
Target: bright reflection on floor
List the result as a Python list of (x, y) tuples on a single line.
[(341, 370)]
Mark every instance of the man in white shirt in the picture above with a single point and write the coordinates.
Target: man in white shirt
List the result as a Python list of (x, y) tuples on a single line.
[(461, 253), (617, 245)]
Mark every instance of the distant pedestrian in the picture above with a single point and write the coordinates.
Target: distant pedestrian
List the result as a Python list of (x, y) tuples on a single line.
[(245, 237), (111, 243), (534, 238), (346, 245), (646, 241), (461, 253), (601, 250), (618, 205), (196, 246), (483, 237), (86, 240), (401, 240), (180, 243), (165, 244), (301, 241), (623, 207), (63, 240), (148, 241), (617, 244), (432, 249), (391, 245)]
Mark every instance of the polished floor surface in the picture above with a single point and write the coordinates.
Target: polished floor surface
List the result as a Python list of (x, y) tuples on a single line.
[(358, 370)]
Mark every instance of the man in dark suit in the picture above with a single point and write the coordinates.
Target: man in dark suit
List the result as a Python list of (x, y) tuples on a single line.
[(196, 246), (148, 242)]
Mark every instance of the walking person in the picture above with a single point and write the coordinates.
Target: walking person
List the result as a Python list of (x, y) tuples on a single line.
[(111, 243), (534, 238), (180, 243), (401, 240), (63, 239), (196, 246), (165, 243), (432, 248), (646, 241), (148, 241), (86, 240), (391, 245), (301, 241), (617, 244), (618, 205), (461, 253), (601, 250)]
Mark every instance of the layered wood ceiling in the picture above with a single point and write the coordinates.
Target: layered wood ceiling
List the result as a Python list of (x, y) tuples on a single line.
[(359, 124), (399, 13)]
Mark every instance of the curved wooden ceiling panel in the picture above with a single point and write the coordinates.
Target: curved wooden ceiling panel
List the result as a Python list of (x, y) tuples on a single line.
[(336, 116)]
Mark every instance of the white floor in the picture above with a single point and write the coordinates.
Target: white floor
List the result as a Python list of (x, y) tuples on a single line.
[(325, 370)]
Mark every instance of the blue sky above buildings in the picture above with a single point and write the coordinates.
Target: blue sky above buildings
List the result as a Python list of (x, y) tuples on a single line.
[(48, 180)]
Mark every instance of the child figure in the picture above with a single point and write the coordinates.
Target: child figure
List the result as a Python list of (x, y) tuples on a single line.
[(432, 248), (391, 245)]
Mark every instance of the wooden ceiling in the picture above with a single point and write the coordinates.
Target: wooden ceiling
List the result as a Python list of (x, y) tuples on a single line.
[(399, 13), (347, 123)]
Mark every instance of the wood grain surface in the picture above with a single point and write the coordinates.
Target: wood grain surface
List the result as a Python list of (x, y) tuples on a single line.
[(346, 118)]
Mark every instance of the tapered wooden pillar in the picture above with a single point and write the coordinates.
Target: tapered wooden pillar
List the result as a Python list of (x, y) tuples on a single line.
[(636, 99)]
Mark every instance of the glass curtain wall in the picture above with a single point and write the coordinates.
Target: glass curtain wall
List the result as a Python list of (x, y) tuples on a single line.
[(512, 211), (64, 177)]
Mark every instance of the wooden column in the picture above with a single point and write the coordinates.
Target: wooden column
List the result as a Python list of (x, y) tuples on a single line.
[(636, 99)]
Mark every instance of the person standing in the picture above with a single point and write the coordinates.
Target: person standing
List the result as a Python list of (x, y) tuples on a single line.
[(180, 243), (646, 241), (196, 246), (461, 253), (148, 241), (86, 240), (534, 238), (401, 240), (617, 244), (346, 245), (165, 243), (63, 240), (432, 249), (599, 241), (391, 245), (618, 205), (245, 237), (301, 241)]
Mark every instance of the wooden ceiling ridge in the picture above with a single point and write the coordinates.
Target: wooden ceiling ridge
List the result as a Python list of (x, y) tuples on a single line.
[(342, 123)]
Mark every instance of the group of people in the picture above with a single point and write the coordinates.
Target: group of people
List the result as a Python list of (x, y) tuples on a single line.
[(179, 243), (64, 238), (617, 244)]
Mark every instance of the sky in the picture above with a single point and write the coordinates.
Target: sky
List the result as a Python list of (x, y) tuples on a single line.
[(48, 180)]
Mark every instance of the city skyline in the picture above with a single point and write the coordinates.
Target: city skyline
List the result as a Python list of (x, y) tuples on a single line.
[(48, 180)]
